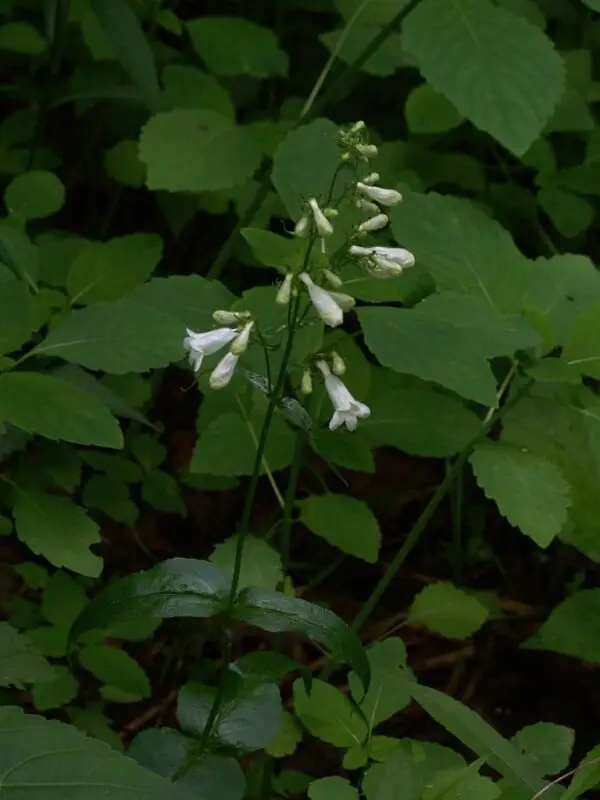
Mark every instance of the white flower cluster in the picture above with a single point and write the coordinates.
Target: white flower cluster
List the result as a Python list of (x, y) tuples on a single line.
[(330, 303)]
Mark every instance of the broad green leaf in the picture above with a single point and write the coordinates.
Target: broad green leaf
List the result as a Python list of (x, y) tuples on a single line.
[(41, 758), (328, 714), (117, 466), (165, 751), (285, 254), (420, 422), (193, 150), (386, 59), (178, 587), (479, 736), (395, 779), (334, 788), (387, 693), (261, 564), (19, 254), (547, 744), (350, 452), (115, 668), (428, 111), (188, 87), (249, 717), (276, 613), (110, 270), (460, 49), (63, 599), (530, 491), (570, 215), (190, 298), (93, 721), (343, 521), (57, 529), (288, 737), (67, 412), (378, 12), (236, 46), (412, 342), (582, 347), (16, 312), (465, 250), (463, 783), (20, 661), (21, 37), (125, 35), (123, 165), (161, 491), (120, 337), (306, 163), (56, 692), (448, 610), (572, 627), (34, 195), (587, 775)]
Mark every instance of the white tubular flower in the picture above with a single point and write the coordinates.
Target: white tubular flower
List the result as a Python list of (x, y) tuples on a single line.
[(332, 279), (367, 150), (346, 409), (404, 258), (358, 126), (385, 197), (240, 343), (324, 227), (302, 226), (223, 372), (376, 223), (384, 262), (207, 343), (284, 292), (367, 205), (372, 179), (345, 301), (338, 365), (326, 307)]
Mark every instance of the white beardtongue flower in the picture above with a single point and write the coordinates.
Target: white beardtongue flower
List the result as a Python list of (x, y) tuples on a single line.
[(284, 293), (345, 301), (326, 307), (322, 224), (372, 179), (367, 150), (240, 343), (338, 365), (207, 343), (368, 206), (223, 372), (376, 223), (385, 197), (332, 279), (384, 262), (346, 409), (302, 226)]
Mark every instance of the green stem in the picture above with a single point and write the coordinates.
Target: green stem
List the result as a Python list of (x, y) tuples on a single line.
[(290, 498), (426, 516)]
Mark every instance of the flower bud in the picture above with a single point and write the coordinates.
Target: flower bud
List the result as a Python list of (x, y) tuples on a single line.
[(324, 227), (332, 279), (358, 126), (302, 226), (222, 317), (240, 343), (345, 301), (374, 224), (367, 150), (306, 385), (284, 292), (338, 365), (372, 179)]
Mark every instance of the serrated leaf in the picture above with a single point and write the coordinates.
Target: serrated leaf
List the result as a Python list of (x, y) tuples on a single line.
[(125, 35), (178, 587), (288, 737), (161, 491), (56, 692), (63, 599), (572, 627), (110, 270), (333, 788), (343, 521), (448, 610), (276, 613), (415, 343), (249, 717), (193, 150), (570, 215), (428, 111), (547, 744), (465, 250), (349, 43), (188, 87), (123, 165), (42, 757), (67, 412), (285, 254), (120, 337), (57, 529), (582, 347), (388, 693), (237, 46), (463, 783), (460, 49), (116, 668), (34, 195), (395, 779), (20, 662), (350, 452), (16, 312), (261, 564), (328, 714), (530, 491)]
